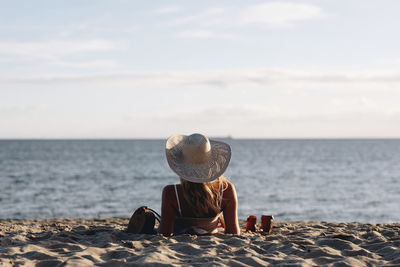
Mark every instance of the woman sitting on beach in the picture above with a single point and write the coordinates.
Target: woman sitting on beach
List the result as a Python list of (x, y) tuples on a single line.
[(198, 205)]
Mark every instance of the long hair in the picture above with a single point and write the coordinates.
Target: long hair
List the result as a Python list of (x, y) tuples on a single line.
[(203, 198)]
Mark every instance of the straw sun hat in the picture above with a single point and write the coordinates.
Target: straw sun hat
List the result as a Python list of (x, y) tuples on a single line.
[(197, 159)]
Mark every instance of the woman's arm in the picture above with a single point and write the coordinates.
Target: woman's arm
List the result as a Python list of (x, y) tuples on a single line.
[(230, 211), (167, 212)]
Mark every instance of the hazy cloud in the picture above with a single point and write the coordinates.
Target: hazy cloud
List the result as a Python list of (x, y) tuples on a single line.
[(85, 29), (17, 110), (226, 79), (168, 10), (95, 64), (279, 13), (269, 14), (53, 49), (263, 121), (210, 16), (205, 34), (237, 120)]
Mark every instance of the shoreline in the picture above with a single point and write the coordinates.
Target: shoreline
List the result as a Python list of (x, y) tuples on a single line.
[(103, 242)]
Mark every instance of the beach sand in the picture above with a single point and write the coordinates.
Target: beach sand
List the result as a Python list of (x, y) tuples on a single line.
[(103, 242)]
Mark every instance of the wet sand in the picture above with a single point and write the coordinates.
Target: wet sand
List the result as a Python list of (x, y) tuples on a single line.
[(104, 242)]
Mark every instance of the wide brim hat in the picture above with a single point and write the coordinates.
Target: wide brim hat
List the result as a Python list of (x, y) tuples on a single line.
[(197, 159)]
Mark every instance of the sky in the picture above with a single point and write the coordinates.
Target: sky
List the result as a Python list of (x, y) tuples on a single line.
[(246, 69)]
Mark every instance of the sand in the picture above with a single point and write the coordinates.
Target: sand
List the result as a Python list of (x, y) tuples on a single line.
[(103, 242)]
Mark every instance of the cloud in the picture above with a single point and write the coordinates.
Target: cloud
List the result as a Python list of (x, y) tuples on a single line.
[(253, 112), (205, 34), (53, 49), (160, 104), (264, 121), (279, 13), (222, 112), (226, 79), (268, 14), (18, 110), (78, 30), (240, 120), (95, 64), (210, 16), (168, 10)]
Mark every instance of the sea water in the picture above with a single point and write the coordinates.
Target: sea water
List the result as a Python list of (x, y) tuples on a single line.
[(329, 180)]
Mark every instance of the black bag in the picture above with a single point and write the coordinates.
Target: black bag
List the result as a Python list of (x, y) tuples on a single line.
[(143, 221)]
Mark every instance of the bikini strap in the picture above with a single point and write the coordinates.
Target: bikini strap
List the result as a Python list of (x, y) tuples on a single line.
[(177, 200), (221, 185)]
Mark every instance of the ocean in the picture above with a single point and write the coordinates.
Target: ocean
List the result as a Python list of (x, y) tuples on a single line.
[(327, 180)]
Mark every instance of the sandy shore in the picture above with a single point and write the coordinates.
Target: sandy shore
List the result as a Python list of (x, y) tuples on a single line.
[(103, 242)]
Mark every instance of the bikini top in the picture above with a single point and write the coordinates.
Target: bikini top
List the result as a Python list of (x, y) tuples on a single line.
[(197, 225)]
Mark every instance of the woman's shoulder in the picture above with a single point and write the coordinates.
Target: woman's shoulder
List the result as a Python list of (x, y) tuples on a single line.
[(229, 186), (229, 190)]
